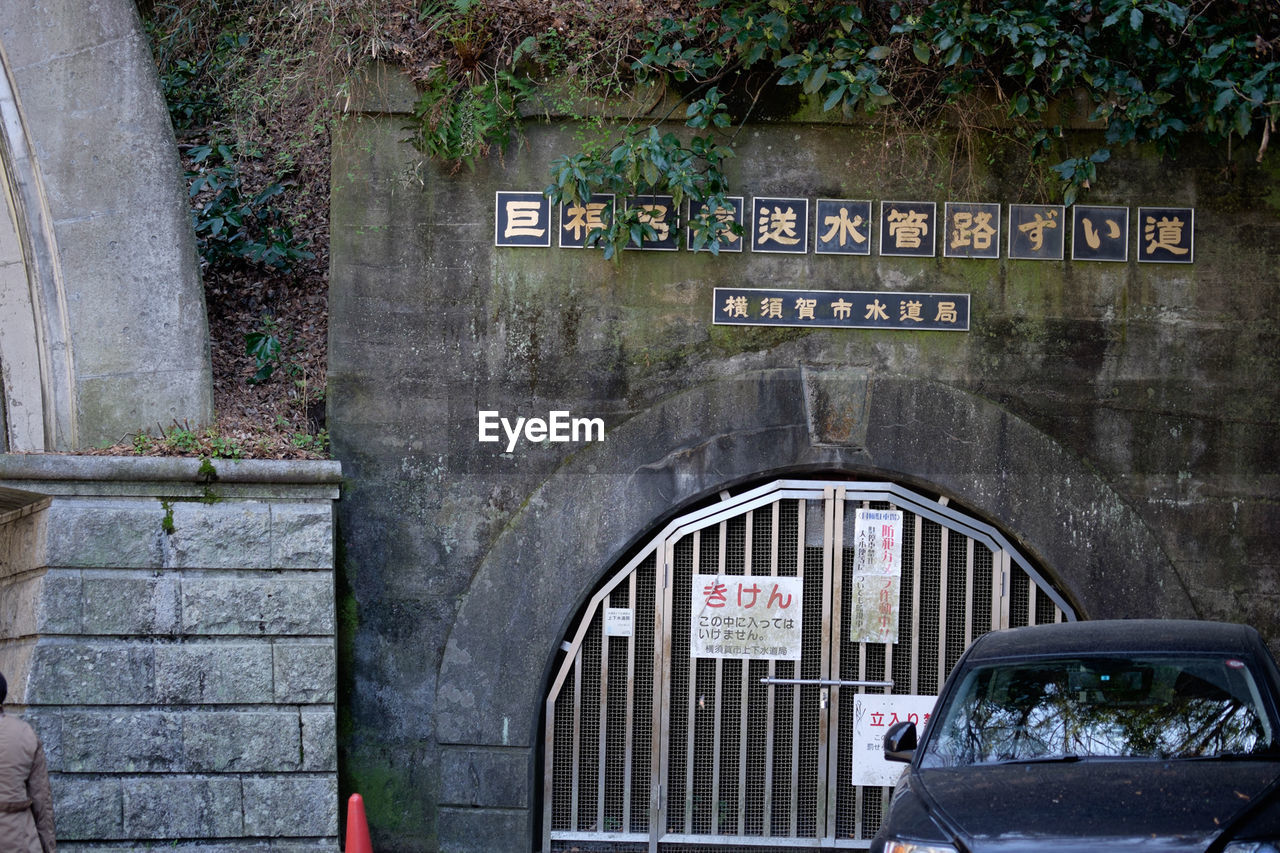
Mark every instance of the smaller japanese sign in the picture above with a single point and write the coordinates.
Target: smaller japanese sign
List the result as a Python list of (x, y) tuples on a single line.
[(659, 213), (521, 219), (578, 220), (1099, 233), (841, 309), (873, 714), (843, 227), (618, 622), (972, 230), (907, 228), (877, 573), (780, 225), (1166, 235), (728, 241), (1036, 232), (737, 616)]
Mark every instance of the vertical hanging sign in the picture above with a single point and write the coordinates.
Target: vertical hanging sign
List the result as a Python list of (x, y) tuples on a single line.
[(877, 574)]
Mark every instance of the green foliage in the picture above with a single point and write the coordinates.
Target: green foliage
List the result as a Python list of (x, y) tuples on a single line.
[(1153, 71), (645, 163), (182, 440), (270, 346), (189, 75), (230, 227), (467, 106), (317, 443), (456, 122), (265, 347), (186, 81), (200, 48), (225, 448)]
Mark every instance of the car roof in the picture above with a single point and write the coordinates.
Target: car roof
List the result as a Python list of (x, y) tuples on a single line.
[(1117, 635)]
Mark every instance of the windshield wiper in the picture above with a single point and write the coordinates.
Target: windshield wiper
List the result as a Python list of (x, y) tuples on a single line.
[(1042, 759)]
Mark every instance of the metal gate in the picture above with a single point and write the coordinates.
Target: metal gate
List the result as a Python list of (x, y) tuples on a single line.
[(649, 749)]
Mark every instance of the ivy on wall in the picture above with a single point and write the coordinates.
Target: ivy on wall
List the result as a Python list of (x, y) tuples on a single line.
[(1151, 71)]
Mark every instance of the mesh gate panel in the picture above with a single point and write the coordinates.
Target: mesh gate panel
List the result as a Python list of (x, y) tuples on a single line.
[(928, 563), (602, 721), (746, 765), (563, 761), (589, 765), (679, 799), (644, 738), (743, 756)]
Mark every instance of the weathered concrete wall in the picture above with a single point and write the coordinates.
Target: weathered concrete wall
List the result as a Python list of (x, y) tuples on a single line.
[(1117, 421), (169, 632), (102, 320)]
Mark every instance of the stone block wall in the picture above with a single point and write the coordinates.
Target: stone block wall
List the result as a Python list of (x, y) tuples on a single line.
[(170, 635)]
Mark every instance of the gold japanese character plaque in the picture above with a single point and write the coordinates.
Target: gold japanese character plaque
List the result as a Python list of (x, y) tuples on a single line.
[(907, 228), (1099, 233), (971, 230), (658, 213), (780, 225), (1166, 235), (1037, 232), (730, 213), (843, 227), (581, 222), (521, 219)]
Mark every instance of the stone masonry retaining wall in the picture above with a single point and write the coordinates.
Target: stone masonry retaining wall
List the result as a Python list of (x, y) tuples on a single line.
[(169, 632)]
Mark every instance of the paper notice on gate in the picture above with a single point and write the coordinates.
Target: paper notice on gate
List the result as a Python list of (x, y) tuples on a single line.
[(877, 572), (736, 616), (872, 716), (618, 622)]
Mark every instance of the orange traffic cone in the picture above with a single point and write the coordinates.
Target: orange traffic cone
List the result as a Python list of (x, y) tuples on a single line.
[(357, 827)]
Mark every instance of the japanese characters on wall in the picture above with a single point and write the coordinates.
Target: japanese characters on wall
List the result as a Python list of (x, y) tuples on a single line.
[(841, 309), (825, 226), (783, 225)]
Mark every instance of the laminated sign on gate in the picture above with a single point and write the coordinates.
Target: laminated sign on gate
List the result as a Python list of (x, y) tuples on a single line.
[(873, 714), (877, 574), (746, 616)]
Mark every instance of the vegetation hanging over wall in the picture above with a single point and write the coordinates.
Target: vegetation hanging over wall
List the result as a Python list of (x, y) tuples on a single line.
[(1152, 71)]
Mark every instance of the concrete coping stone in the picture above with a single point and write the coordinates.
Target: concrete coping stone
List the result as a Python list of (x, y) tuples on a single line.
[(44, 468), (381, 88), (17, 503)]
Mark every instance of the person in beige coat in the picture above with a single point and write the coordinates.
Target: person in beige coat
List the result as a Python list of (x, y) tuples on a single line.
[(26, 804)]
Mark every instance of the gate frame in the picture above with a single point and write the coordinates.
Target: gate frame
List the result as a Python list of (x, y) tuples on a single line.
[(661, 547)]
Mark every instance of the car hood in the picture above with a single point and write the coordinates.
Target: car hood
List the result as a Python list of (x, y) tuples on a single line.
[(1168, 805)]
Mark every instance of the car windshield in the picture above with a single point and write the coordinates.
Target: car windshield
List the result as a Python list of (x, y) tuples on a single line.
[(1137, 707)]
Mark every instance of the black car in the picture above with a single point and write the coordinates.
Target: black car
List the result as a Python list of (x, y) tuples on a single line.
[(1096, 736)]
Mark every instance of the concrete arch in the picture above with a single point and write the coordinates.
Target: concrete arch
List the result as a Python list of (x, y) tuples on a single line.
[(105, 330), (781, 421)]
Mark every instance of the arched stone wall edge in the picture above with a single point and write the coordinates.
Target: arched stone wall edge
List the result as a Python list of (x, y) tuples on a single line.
[(37, 379), (735, 429), (110, 250)]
